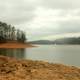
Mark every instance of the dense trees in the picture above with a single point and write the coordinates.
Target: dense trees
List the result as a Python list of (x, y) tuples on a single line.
[(9, 33), (73, 40)]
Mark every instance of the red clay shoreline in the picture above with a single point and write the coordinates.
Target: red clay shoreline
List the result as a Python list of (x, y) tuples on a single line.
[(16, 45)]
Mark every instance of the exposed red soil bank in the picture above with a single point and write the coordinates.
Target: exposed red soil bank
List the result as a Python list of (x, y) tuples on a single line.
[(12, 69), (15, 45)]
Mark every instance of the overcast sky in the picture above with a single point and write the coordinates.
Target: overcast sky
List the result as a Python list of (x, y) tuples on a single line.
[(42, 19)]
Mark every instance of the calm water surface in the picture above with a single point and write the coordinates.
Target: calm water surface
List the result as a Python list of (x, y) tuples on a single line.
[(66, 54)]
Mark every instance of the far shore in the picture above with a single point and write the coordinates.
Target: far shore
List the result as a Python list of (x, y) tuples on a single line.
[(15, 45)]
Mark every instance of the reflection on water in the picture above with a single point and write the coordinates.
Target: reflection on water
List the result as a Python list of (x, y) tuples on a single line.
[(66, 54), (17, 53)]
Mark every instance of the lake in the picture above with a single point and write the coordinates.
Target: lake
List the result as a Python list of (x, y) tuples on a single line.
[(65, 54)]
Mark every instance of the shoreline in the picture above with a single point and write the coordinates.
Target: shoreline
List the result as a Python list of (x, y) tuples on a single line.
[(16, 45), (14, 69)]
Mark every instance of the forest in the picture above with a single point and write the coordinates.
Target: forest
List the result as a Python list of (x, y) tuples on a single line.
[(73, 40), (10, 33)]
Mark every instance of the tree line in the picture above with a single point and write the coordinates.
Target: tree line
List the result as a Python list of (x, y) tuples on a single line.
[(73, 40), (10, 33)]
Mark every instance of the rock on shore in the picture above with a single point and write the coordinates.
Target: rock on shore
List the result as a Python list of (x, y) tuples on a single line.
[(13, 69)]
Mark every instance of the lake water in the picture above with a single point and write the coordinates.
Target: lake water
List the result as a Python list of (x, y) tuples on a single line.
[(65, 54)]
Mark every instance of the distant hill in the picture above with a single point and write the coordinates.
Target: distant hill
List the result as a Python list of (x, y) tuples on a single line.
[(42, 42), (74, 40)]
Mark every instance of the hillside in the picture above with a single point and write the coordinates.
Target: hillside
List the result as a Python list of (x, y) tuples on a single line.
[(70, 40), (74, 40), (42, 42)]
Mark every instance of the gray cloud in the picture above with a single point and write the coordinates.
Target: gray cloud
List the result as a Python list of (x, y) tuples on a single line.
[(16, 11), (61, 4), (40, 18), (69, 26)]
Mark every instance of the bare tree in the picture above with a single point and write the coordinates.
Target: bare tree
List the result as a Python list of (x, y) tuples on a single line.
[(13, 33)]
